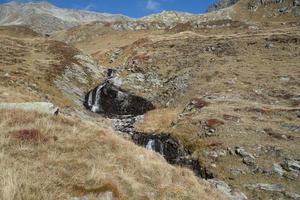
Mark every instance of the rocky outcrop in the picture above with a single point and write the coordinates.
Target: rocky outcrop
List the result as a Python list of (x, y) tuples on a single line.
[(171, 150), (221, 4), (41, 107), (109, 99)]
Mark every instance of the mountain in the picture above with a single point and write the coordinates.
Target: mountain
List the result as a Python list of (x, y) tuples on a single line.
[(46, 18), (221, 4), (217, 96)]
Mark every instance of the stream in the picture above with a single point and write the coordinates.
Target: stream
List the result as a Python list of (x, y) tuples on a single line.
[(125, 109)]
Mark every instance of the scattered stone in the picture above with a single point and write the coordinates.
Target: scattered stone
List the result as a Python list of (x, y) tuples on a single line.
[(41, 107), (106, 196), (226, 190), (269, 45), (292, 195), (79, 198), (267, 187), (221, 186), (276, 135), (291, 165), (278, 169), (285, 78), (249, 161), (298, 113), (241, 151), (231, 151), (237, 172), (292, 127)]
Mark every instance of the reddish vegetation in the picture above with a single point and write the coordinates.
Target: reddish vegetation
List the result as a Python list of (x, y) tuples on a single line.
[(32, 135), (213, 123), (199, 103), (215, 144)]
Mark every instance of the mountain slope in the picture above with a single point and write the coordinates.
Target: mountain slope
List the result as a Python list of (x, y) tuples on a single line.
[(72, 154), (45, 18)]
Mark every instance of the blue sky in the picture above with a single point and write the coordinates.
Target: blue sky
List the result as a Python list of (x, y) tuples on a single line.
[(133, 8)]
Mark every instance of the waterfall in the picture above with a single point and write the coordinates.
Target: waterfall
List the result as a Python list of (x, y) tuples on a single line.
[(90, 99), (151, 145), (96, 107)]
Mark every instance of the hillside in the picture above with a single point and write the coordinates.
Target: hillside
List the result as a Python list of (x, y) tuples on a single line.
[(77, 155), (213, 99)]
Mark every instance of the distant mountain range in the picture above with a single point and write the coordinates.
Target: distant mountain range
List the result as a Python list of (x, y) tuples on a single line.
[(46, 18)]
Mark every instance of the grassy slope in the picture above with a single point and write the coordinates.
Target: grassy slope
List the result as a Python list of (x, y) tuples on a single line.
[(76, 158), (65, 157)]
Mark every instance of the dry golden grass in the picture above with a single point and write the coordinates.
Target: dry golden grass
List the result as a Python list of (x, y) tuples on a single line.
[(78, 159)]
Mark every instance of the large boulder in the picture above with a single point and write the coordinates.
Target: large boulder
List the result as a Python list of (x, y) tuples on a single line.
[(108, 99)]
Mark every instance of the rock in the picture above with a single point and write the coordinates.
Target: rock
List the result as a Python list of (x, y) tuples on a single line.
[(105, 196), (285, 78), (291, 165), (231, 151), (292, 127), (241, 151), (79, 198), (111, 100), (267, 187), (296, 3), (249, 161), (221, 186), (278, 169), (292, 195), (269, 45), (298, 113), (174, 152), (41, 107), (227, 191)]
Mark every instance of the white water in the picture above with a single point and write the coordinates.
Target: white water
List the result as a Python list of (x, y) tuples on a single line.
[(90, 100), (97, 105), (150, 145)]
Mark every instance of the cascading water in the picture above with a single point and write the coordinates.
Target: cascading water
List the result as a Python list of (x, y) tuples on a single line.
[(150, 145), (96, 106), (125, 109)]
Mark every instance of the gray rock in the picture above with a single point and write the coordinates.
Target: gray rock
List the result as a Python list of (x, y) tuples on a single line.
[(267, 187), (106, 196), (41, 107), (226, 190), (79, 198), (278, 169), (221, 186), (291, 165), (249, 161), (292, 195), (292, 127), (241, 151), (298, 113)]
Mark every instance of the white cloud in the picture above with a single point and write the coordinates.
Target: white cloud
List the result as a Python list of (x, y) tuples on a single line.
[(152, 5)]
